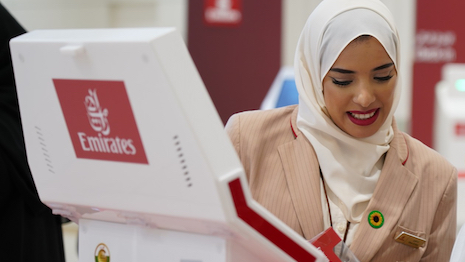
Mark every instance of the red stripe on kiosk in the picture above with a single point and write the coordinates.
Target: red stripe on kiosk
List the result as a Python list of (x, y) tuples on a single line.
[(266, 229)]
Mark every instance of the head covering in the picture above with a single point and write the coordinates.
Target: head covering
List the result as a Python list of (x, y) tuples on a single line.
[(350, 166)]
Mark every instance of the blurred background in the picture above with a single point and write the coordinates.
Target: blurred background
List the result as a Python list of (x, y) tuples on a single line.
[(237, 61), (240, 50)]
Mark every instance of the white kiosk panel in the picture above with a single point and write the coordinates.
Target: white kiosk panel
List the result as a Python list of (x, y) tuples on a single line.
[(123, 138), (161, 168)]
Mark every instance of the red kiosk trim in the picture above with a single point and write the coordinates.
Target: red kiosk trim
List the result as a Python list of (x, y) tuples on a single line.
[(264, 227)]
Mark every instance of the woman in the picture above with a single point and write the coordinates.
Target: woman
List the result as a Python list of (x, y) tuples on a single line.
[(337, 159)]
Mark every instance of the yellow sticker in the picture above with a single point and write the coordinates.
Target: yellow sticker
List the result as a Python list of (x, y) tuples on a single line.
[(410, 240), (102, 253)]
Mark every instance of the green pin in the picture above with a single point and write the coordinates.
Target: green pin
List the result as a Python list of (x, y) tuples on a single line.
[(375, 219)]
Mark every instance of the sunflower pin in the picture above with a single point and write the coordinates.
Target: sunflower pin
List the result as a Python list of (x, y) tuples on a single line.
[(375, 219)]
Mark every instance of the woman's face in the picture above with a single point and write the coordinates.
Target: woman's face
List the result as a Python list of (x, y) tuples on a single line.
[(359, 88)]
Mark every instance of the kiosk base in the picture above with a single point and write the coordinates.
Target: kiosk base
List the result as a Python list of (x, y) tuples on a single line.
[(141, 243)]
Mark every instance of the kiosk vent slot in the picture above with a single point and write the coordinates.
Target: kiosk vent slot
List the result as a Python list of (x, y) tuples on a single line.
[(45, 153), (182, 161)]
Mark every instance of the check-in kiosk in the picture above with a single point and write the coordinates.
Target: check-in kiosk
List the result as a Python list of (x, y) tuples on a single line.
[(123, 139), (449, 126)]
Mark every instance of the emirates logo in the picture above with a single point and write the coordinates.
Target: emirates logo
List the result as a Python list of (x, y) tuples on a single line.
[(97, 116), (86, 106)]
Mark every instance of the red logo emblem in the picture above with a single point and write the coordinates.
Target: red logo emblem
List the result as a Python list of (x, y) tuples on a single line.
[(100, 120), (460, 129), (223, 12)]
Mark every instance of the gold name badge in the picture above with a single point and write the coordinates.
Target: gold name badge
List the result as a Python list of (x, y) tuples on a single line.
[(410, 240)]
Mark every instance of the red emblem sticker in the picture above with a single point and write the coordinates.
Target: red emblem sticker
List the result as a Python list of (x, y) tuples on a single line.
[(100, 120)]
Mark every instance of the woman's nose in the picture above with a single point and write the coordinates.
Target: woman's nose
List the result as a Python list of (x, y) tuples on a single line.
[(364, 96)]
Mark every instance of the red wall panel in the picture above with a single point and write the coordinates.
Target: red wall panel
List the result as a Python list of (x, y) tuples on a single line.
[(237, 63), (439, 40)]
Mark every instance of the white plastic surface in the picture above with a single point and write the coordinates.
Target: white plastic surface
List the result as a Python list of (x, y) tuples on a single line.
[(135, 243), (449, 127), (183, 181), (136, 59), (458, 252)]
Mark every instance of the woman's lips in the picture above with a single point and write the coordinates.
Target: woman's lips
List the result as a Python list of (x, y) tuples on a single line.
[(364, 118)]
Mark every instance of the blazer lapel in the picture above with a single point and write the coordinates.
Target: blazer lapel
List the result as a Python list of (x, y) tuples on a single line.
[(395, 185), (301, 170)]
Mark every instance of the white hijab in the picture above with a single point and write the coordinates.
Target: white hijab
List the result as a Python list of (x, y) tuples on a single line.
[(350, 166)]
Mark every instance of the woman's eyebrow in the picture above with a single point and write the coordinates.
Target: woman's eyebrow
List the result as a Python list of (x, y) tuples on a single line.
[(383, 66), (343, 71)]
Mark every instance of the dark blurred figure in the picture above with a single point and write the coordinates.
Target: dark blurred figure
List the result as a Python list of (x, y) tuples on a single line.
[(28, 229)]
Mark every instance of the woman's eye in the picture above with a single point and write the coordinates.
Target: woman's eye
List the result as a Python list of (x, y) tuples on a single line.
[(383, 78), (341, 83)]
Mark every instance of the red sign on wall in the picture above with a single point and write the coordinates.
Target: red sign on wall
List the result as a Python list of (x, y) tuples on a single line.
[(439, 40), (223, 12), (100, 120), (460, 129)]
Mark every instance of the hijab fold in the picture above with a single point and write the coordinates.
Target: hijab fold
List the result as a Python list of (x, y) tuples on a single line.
[(350, 166)]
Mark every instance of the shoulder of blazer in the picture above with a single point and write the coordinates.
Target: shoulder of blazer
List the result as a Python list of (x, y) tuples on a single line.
[(424, 158), (254, 124)]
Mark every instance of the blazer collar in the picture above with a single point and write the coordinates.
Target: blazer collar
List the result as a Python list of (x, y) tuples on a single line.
[(302, 174), (394, 187), (399, 143)]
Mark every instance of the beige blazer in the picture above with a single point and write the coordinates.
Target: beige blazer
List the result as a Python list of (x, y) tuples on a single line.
[(416, 191)]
